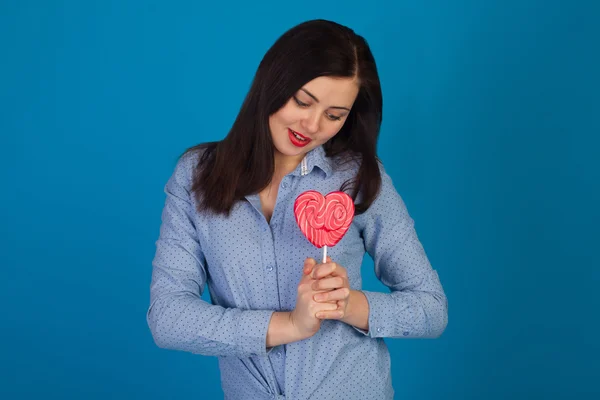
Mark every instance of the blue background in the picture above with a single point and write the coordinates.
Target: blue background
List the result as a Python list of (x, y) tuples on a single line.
[(491, 125)]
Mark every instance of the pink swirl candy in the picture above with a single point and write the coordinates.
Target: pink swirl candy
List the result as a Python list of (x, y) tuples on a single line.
[(324, 220)]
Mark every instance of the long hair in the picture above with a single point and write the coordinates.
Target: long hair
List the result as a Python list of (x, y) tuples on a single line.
[(243, 162)]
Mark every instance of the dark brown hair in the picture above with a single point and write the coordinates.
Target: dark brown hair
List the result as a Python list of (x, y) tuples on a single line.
[(243, 162)]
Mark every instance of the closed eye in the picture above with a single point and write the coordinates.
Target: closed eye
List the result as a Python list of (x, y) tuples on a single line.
[(305, 105), (301, 104)]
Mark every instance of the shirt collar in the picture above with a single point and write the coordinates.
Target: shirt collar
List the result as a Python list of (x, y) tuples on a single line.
[(315, 158)]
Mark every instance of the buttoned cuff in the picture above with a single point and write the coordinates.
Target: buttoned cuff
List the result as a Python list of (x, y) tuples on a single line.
[(382, 316), (252, 331)]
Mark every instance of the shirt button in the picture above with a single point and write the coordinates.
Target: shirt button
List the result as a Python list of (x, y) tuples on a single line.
[(405, 333), (284, 185), (270, 268), (379, 330)]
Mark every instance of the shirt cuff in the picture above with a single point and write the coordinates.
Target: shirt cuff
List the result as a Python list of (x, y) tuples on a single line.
[(252, 331), (382, 316)]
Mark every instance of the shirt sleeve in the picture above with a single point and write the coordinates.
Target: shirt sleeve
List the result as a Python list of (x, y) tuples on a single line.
[(177, 316), (417, 305)]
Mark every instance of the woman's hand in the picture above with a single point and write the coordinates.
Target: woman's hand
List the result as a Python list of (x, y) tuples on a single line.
[(303, 317), (331, 281)]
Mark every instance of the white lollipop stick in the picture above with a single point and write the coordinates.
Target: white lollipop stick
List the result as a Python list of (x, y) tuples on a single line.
[(324, 254)]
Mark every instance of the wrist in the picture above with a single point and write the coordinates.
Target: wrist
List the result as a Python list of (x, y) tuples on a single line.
[(357, 310), (282, 330), (296, 332), (349, 309)]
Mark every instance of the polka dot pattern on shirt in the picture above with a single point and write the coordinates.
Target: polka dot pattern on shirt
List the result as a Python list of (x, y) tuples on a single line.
[(252, 269)]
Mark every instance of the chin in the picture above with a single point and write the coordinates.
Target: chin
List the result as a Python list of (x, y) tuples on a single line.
[(291, 152)]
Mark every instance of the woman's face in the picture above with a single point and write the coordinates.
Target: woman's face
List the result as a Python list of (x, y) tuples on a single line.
[(315, 114)]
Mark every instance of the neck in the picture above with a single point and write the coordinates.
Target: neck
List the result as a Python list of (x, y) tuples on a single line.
[(286, 164)]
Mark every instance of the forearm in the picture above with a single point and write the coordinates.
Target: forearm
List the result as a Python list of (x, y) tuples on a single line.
[(357, 312), (407, 314), (187, 323), (282, 330)]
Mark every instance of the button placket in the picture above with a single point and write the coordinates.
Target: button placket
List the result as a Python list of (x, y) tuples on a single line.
[(268, 263)]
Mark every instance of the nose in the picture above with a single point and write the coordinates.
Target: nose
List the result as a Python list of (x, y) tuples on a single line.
[(311, 122)]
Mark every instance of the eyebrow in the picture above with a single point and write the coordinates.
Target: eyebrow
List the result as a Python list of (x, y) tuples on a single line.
[(317, 100)]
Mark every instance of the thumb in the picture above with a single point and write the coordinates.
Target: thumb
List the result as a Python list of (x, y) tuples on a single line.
[(309, 264)]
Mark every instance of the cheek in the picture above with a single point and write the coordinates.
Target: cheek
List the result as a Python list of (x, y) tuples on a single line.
[(285, 116)]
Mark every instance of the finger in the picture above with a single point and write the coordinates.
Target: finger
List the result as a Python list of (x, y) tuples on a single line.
[(329, 282), (331, 302), (323, 307), (322, 270), (309, 265), (337, 314), (332, 268), (339, 294)]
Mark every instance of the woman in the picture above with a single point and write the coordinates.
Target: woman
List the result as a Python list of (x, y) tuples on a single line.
[(282, 325)]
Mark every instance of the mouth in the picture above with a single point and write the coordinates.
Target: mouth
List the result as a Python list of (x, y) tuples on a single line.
[(298, 139)]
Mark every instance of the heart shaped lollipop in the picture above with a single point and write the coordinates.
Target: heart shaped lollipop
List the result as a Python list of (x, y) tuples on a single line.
[(324, 220)]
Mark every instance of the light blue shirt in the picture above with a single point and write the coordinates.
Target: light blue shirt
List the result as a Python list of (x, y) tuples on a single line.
[(252, 268)]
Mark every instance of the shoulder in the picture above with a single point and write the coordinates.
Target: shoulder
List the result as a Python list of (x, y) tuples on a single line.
[(187, 165), (345, 166), (349, 166), (387, 192), (387, 203)]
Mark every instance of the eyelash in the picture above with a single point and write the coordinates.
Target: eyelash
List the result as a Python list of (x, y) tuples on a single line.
[(301, 104), (304, 105)]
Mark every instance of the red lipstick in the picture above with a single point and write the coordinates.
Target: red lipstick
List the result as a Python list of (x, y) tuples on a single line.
[(298, 142)]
